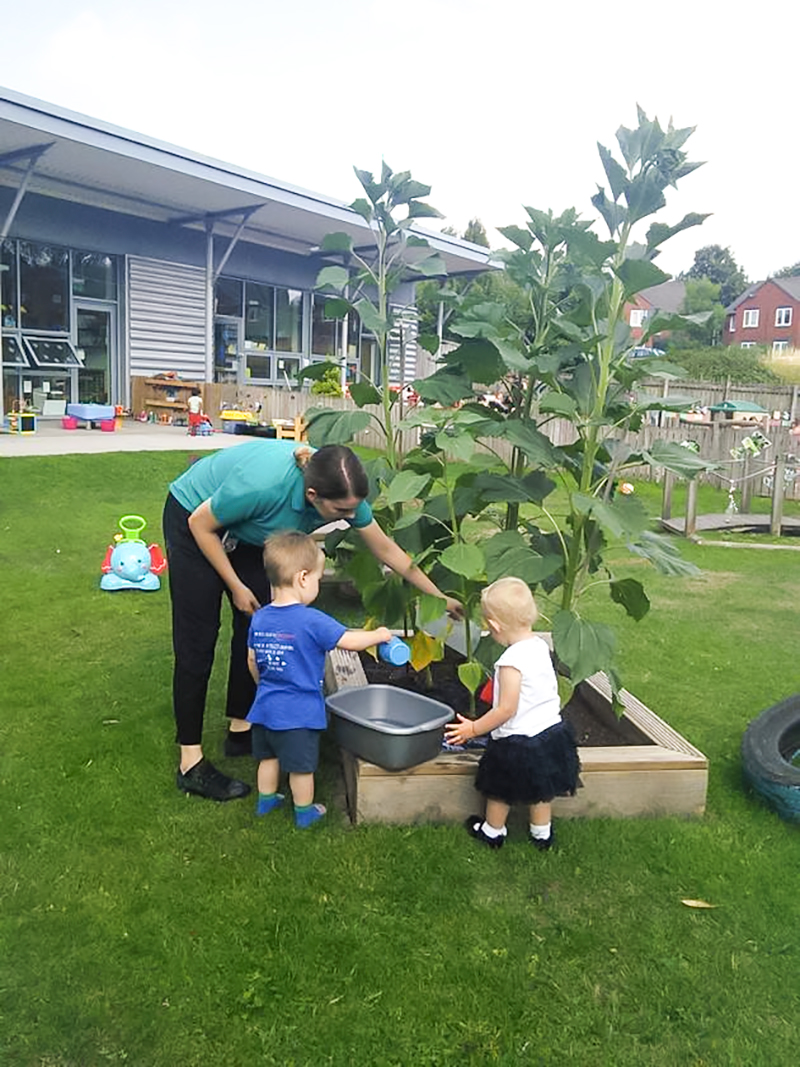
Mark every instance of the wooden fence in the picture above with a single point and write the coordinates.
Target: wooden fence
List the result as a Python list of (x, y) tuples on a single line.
[(716, 441)]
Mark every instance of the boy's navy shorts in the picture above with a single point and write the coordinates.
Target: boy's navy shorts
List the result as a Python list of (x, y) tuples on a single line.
[(297, 751)]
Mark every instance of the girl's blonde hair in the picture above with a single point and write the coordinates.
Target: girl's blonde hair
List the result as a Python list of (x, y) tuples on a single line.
[(510, 602), (288, 553)]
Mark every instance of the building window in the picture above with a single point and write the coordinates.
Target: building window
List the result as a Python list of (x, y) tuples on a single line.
[(325, 332), (288, 321), (228, 297), (8, 284), (44, 287), (732, 323), (783, 316), (748, 344), (750, 318), (638, 315), (779, 346), (94, 275)]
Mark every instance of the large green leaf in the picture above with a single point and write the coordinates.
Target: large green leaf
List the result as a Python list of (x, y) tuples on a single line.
[(631, 595), (332, 278), (430, 267), (508, 554), (429, 608), (625, 517), (363, 208), (336, 427), (370, 319), (364, 393), (386, 600), (665, 556), (584, 647), (470, 674), (421, 210), (660, 232), (336, 307), (478, 359), (674, 457), (315, 372), (558, 404), (516, 235), (463, 559), (459, 446), (538, 448), (504, 488), (406, 486), (638, 274), (444, 387), (337, 242), (617, 178)]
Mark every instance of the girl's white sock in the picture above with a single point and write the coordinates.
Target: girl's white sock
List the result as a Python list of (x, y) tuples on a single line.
[(540, 833), (491, 832)]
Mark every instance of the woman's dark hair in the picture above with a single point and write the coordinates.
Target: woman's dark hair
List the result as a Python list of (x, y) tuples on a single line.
[(335, 472)]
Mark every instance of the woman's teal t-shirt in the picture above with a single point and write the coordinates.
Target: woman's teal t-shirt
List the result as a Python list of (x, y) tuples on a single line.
[(255, 489)]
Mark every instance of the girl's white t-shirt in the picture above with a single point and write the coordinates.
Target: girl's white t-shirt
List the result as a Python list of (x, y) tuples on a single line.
[(539, 705)]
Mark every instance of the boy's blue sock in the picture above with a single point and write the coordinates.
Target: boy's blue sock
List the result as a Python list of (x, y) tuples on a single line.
[(308, 814), (268, 802)]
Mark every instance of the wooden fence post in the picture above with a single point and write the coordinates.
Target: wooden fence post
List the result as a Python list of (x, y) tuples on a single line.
[(691, 508), (776, 513), (666, 495)]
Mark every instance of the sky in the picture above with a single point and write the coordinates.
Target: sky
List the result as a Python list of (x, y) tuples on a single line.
[(494, 105)]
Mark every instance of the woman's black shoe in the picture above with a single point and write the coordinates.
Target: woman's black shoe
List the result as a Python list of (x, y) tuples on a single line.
[(204, 780)]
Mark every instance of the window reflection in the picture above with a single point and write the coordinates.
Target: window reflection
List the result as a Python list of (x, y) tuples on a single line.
[(94, 275), (8, 284), (44, 293)]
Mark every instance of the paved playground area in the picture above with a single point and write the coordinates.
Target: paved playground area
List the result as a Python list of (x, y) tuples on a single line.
[(51, 439)]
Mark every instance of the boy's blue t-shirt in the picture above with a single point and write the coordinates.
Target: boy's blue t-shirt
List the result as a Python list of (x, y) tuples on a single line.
[(290, 644), (255, 489)]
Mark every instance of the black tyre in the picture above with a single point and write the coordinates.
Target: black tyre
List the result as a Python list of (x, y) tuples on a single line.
[(770, 744)]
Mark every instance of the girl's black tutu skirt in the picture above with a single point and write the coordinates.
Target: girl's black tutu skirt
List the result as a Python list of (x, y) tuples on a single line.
[(530, 770)]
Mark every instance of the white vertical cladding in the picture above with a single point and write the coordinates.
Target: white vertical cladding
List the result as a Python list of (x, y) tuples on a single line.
[(166, 318), (402, 345)]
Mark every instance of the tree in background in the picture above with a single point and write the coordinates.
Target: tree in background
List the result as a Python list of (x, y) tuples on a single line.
[(788, 272), (718, 265), (703, 304)]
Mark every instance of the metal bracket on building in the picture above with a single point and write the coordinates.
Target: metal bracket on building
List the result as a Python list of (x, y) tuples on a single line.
[(210, 217), (33, 155)]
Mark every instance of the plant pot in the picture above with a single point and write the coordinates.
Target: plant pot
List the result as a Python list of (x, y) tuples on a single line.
[(651, 770)]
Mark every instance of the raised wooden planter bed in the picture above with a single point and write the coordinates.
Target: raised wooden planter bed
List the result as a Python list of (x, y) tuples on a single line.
[(655, 771)]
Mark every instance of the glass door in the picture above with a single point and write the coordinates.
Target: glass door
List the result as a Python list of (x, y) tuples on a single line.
[(95, 333), (227, 349)]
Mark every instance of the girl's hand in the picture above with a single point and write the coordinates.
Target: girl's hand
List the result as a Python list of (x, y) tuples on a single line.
[(461, 732)]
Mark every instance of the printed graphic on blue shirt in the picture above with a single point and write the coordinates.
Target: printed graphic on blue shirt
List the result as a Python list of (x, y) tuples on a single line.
[(290, 645)]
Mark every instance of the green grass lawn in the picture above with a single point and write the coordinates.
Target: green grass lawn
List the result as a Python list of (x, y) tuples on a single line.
[(141, 926)]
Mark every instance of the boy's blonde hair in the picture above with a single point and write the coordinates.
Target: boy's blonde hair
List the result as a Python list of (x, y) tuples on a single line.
[(288, 553), (510, 602)]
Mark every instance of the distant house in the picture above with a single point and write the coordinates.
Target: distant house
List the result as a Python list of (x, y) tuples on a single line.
[(667, 297), (767, 313)]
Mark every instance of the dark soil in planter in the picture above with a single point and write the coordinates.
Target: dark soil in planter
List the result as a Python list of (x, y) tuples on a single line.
[(447, 689)]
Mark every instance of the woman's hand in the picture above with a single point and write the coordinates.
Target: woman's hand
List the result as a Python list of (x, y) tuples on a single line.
[(461, 732), (244, 599), (455, 609)]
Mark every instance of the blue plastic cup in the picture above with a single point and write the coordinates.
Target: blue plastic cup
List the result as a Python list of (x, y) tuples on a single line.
[(395, 652)]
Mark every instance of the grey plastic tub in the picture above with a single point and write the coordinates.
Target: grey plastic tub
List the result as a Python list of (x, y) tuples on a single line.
[(388, 726)]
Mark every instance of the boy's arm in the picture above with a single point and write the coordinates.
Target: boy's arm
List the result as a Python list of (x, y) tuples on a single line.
[(251, 663), (464, 729), (358, 640)]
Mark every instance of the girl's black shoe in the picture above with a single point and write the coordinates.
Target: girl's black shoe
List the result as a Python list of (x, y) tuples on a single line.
[(473, 827)]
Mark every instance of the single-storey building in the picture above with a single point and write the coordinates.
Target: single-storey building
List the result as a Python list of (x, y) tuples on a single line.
[(122, 256)]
